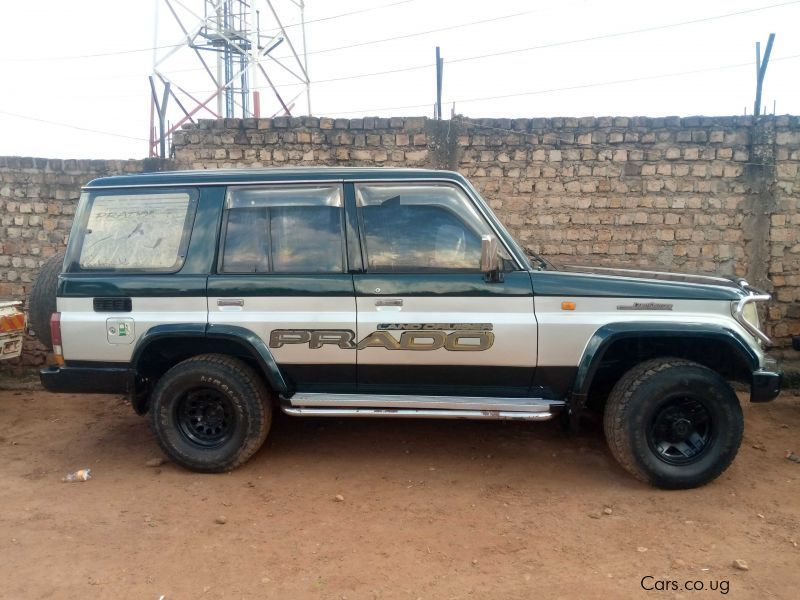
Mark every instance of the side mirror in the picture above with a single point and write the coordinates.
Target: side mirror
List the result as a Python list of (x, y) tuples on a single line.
[(490, 259)]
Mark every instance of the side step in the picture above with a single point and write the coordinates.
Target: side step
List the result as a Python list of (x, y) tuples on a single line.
[(442, 407)]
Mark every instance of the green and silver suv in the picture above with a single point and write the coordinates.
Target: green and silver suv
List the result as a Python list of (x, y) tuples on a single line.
[(213, 298)]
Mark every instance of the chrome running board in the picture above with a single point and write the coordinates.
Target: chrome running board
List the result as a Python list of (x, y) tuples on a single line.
[(443, 407), (411, 413), (474, 403)]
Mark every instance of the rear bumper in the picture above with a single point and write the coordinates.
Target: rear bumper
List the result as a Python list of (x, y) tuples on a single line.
[(766, 385), (87, 380)]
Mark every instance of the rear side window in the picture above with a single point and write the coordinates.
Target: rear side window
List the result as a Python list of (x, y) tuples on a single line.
[(137, 231), (284, 229)]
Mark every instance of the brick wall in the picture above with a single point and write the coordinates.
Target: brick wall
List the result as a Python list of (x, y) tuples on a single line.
[(37, 202), (716, 195)]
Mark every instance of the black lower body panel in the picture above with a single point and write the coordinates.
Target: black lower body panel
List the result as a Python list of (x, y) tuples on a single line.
[(766, 385), (445, 380), (340, 379), (87, 379)]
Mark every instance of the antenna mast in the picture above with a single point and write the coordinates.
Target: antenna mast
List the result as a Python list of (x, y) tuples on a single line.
[(239, 35)]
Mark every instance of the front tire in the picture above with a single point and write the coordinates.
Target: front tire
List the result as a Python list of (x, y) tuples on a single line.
[(210, 413), (673, 423)]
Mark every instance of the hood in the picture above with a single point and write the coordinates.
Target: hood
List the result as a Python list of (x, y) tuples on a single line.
[(632, 283), (729, 281)]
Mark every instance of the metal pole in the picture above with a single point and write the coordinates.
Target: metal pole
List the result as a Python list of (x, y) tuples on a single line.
[(155, 34), (288, 41), (305, 53), (220, 62), (255, 36), (151, 150), (439, 66), (162, 115), (761, 71)]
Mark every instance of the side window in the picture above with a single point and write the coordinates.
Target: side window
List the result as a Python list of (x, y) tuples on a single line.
[(419, 228), (138, 232), (283, 229)]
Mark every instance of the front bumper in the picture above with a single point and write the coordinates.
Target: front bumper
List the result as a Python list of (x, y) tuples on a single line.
[(766, 385), (86, 380)]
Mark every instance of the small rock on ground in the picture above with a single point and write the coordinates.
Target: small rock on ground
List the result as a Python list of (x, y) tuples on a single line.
[(339, 498), (741, 565), (221, 520), (154, 462)]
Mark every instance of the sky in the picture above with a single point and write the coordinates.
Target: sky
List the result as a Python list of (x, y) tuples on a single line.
[(75, 73)]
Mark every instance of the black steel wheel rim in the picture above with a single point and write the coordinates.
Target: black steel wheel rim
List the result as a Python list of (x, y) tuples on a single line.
[(205, 417), (681, 430)]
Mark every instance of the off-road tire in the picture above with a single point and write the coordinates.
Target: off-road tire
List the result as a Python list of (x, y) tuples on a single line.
[(42, 299), (237, 386), (639, 396)]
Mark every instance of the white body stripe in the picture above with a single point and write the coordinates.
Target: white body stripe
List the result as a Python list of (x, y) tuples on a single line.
[(512, 319), (550, 337), (262, 315), (84, 335), (564, 334)]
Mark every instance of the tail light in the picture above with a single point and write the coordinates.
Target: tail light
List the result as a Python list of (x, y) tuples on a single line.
[(55, 335)]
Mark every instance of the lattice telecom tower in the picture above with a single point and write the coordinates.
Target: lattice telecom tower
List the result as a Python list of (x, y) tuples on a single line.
[(239, 36)]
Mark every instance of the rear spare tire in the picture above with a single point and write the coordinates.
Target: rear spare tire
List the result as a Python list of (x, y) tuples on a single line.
[(42, 299), (210, 413), (673, 423)]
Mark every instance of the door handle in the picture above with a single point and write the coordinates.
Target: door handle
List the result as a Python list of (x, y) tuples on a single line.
[(230, 302), (389, 302)]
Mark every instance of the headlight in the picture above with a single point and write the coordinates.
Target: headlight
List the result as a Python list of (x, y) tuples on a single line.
[(750, 314)]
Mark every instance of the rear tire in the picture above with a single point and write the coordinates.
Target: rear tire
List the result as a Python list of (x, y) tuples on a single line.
[(210, 413), (673, 423), (42, 299)]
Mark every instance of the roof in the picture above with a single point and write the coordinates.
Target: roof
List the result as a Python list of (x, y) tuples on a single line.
[(240, 176)]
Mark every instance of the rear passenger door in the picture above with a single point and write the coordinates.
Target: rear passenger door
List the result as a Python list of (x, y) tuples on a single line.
[(134, 260), (429, 322), (282, 273)]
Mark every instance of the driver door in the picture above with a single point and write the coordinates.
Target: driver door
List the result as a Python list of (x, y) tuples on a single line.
[(429, 322)]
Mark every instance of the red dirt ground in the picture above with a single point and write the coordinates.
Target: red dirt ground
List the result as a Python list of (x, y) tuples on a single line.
[(431, 509)]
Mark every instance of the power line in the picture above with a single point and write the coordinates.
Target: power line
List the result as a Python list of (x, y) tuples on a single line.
[(347, 14), (619, 81), (81, 56), (458, 101), (418, 33), (150, 49), (506, 52), (383, 40), (567, 88), (623, 33), (48, 122), (550, 45)]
